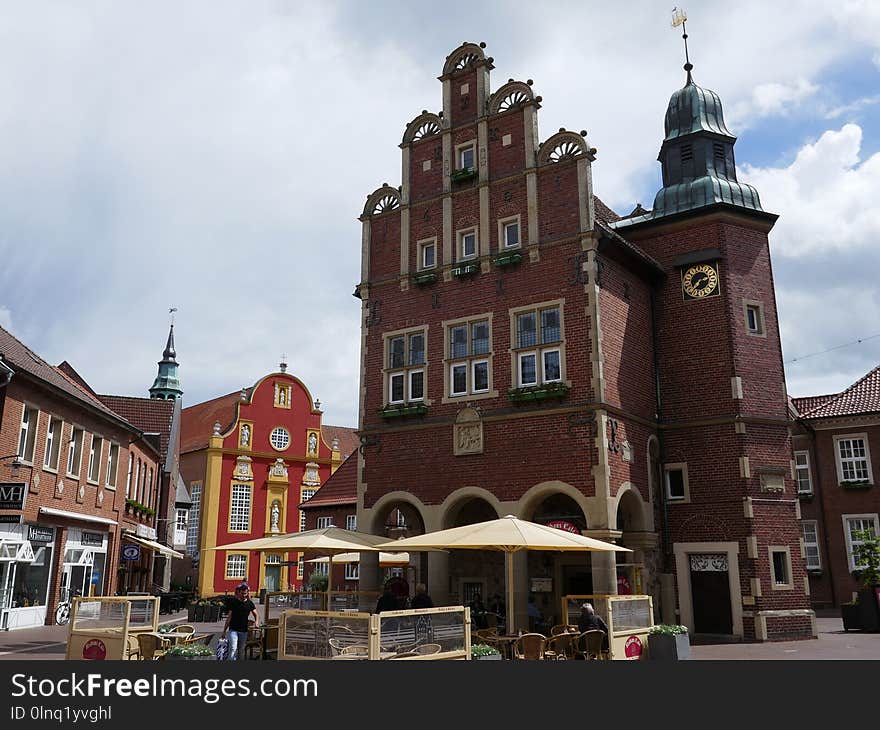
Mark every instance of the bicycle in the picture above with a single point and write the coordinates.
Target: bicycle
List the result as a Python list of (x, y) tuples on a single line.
[(62, 610)]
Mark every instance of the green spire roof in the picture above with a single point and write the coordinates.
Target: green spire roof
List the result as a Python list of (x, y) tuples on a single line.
[(694, 109), (166, 386)]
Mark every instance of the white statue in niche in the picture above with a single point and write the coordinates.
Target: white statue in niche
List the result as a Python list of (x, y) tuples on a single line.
[(276, 516), (282, 396), (313, 443), (245, 435)]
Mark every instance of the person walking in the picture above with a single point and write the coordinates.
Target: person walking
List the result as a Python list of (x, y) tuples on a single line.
[(240, 609)]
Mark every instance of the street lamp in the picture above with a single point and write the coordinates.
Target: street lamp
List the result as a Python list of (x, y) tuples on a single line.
[(16, 463)]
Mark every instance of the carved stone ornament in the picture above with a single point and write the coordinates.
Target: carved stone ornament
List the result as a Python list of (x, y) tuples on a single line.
[(60, 486), (101, 497), (467, 432), (243, 470), (36, 481), (311, 478), (626, 452), (709, 563), (82, 491), (278, 469), (772, 481)]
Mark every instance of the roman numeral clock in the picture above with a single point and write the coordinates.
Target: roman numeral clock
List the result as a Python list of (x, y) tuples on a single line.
[(700, 281)]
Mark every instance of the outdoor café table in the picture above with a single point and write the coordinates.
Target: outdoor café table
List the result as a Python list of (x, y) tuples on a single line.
[(173, 636)]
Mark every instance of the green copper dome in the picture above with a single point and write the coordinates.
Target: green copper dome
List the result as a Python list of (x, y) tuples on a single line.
[(694, 109)]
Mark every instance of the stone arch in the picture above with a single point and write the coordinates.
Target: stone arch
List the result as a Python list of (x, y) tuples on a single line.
[(512, 94), (451, 507), (424, 125), (394, 500), (565, 146), (382, 200), (630, 506), (467, 54), (537, 494)]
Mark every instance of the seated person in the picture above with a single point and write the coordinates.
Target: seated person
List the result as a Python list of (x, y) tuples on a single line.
[(590, 620), (387, 601)]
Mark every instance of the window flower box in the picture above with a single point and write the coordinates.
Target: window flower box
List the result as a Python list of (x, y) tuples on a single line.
[(403, 409), (856, 484), (805, 496), (507, 259), (463, 175), (425, 278), (538, 392), (466, 269)]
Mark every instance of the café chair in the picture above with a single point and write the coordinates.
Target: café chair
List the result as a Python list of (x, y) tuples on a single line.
[(151, 646), (133, 649), (405, 655), (560, 646), (562, 629), (185, 629), (588, 645), (530, 646), (355, 650), (423, 649)]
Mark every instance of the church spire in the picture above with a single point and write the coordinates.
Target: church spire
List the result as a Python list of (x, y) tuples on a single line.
[(166, 386)]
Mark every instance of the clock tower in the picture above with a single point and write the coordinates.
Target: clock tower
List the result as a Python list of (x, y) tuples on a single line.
[(728, 509)]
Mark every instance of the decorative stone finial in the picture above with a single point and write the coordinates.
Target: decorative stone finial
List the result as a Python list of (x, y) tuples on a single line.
[(334, 444), (282, 366), (244, 394), (216, 428), (317, 404)]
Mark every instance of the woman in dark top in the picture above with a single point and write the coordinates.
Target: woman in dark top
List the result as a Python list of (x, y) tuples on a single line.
[(240, 608)]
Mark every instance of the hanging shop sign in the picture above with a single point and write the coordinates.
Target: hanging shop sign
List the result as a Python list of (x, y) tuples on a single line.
[(92, 539), (131, 552), (40, 534), (12, 495)]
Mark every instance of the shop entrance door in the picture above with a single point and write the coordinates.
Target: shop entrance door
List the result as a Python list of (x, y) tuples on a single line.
[(273, 578), (76, 576), (710, 594)]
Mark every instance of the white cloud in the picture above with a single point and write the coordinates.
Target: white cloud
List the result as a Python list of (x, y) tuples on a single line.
[(5, 318), (828, 196), (770, 99)]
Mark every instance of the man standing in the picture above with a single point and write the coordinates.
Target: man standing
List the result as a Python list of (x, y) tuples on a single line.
[(240, 608)]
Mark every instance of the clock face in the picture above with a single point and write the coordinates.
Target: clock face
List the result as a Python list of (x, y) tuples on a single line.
[(700, 281)]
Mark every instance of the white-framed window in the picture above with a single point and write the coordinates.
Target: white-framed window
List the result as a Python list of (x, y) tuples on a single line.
[(181, 519), (852, 526), (405, 366), (74, 451), (467, 244), (236, 566), (810, 533), (469, 356), (853, 458), (279, 438), (780, 568), (675, 477), (240, 508), (754, 317), (466, 156), (151, 492), (192, 527), (538, 346), (128, 478), (351, 522), (509, 233), (320, 568), (112, 465), (27, 436), (305, 496), (324, 522), (352, 571), (427, 254), (802, 472), (95, 450), (53, 443)]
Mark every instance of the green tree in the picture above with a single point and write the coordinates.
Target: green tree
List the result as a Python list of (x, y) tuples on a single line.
[(867, 557)]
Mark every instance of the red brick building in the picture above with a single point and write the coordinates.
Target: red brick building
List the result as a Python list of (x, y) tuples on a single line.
[(64, 512), (249, 460), (528, 351), (834, 439)]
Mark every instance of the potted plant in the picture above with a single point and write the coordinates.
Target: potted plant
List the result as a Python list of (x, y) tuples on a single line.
[(484, 651), (668, 642), (868, 575), (190, 651), (849, 612)]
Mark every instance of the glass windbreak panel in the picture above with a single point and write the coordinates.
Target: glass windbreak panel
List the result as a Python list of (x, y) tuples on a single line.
[(323, 634), (423, 633), (143, 613), (31, 579), (630, 614), (104, 615)]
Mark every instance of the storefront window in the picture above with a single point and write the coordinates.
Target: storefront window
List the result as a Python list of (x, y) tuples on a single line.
[(31, 579)]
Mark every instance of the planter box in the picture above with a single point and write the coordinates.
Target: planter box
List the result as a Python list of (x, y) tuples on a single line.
[(869, 611), (191, 612), (856, 485), (209, 658), (468, 173), (425, 279), (849, 612), (538, 392), (668, 647), (490, 657), (399, 411), (508, 259), (466, 270)]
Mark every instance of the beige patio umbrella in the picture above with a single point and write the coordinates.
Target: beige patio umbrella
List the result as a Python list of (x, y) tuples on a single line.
[(508, 534), (385, 559)]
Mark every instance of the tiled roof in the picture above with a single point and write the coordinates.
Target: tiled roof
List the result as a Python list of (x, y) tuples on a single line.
[(18, 355), (808, 403), (339, 489), (603, 212), (860, 398), (349, 441), (197, 422), (150, 415)]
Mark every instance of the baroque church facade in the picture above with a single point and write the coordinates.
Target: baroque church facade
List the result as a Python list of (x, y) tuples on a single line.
[(528, 351)]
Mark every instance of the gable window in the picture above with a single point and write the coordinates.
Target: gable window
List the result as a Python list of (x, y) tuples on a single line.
[(802, 472), (509, 233), (853, 458), (539, 343), (240, 508), (676, 478), (467, 244), (74, 451), (95, 458), (780, 566), (28, 433), (428, 254), (469, 357), (53, 443), (405, 367), (855, 528), (811, 545), (279, 438), (112, 465)]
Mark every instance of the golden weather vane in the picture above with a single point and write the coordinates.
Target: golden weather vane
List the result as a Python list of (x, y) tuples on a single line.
[(171, 311), (679, 18)]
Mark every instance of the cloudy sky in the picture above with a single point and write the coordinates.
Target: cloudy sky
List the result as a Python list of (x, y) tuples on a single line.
[(214, 156)]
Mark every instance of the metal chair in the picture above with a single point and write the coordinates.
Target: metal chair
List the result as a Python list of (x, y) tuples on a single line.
[(589, 645), (530, 646)]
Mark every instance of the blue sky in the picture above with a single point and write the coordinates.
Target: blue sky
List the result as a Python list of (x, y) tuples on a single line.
[(215, 157)]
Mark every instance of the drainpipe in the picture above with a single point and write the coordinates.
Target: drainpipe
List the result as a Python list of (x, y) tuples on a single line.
[(661, 450)]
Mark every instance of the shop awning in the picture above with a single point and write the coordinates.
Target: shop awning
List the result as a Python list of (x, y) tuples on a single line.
[(157, 546), (52, 512)]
